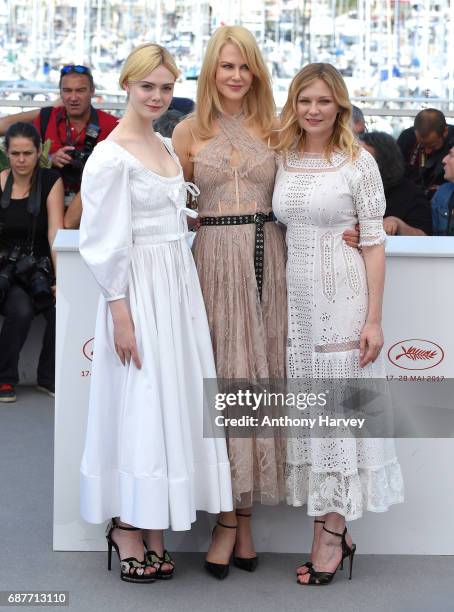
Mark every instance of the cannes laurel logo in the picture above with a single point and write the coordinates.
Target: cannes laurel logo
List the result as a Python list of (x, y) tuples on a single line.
[(87, 349), (416, 354)]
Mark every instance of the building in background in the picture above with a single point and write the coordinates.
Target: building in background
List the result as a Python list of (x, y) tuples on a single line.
[(384, 48)]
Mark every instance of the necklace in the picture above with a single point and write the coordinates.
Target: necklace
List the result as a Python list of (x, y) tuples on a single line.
[(22, 196)]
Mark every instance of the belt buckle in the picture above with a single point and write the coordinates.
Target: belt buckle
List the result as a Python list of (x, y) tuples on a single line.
[(259, 218)]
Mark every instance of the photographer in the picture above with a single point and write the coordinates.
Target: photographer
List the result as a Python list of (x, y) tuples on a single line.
[(407, 208), (424, 146), (74, 128), (31, 212)]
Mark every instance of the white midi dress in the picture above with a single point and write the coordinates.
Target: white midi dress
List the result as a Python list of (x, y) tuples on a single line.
[(317, 199), (146, 459)]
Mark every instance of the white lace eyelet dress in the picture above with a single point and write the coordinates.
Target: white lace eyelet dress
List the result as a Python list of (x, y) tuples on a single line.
[(317, 200), (145, 457)]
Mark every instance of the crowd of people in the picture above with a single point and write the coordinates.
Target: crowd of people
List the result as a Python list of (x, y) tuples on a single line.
[(251, 301)]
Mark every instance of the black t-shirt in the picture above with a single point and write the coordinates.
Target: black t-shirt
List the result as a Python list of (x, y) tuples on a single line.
[(407, 201), (15, 221), (432, 174)]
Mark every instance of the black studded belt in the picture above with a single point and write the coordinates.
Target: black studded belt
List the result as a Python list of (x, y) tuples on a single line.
[(259, 251)]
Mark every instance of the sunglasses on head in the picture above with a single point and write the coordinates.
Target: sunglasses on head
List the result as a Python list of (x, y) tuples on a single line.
[(74, 68)]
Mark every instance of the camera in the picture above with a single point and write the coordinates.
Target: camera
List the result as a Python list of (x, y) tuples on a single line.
[(34, 274), (8, 261), (79, 158), (72, 171)]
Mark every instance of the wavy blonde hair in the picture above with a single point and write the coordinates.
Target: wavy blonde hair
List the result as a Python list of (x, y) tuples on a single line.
[(259, 103), (292, 136), (144, 59)]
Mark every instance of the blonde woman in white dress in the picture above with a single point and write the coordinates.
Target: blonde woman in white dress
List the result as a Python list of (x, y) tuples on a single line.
[(325, 184), (146, 462)]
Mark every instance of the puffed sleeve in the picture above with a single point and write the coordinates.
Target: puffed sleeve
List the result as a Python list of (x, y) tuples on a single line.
[(369, 200), (105, 236)]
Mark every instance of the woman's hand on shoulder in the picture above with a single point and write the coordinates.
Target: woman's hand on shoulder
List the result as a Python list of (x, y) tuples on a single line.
[(370, 343)]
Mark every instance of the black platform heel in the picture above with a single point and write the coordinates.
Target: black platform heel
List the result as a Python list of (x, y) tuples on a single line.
[(152, 559), (219, 570), (245, 563), (131, 569), (322, 578)]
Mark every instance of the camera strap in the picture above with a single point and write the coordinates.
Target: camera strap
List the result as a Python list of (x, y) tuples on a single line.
[(34, 197), (34, 207), (7, 191), (44, 118), (33, 203), (93, 122)]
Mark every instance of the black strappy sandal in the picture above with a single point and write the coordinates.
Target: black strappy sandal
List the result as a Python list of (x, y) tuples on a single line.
[(245, 563), (322, 578), (154, 560), (219, 570), (308, 563), (131, 569)]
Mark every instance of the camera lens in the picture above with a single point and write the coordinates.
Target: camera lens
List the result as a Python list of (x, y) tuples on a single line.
[(40, 284), (6, 278), (25, 264)]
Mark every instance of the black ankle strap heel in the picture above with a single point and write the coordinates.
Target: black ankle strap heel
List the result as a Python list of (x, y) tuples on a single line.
[(322, 578), (346, 550), (219, 570), (248, 564), (131, 569), (154, 560), (307, 563)]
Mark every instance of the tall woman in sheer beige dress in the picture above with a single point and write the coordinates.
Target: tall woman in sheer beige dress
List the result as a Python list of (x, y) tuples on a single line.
[(224, 149)]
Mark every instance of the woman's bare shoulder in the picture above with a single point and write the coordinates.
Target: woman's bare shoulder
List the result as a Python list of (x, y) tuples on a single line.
[(187, 128)]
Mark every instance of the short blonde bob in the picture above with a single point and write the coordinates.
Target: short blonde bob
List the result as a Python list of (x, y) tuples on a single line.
[(144, 59), (259, 105), (293, 137)]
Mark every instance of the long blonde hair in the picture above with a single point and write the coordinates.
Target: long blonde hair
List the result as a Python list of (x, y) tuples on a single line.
[(259, 103), (144, 59), (342, 138)]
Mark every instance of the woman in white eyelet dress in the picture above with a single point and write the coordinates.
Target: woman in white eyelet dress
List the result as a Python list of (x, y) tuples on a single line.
[(327, 293), (325, 184), (146, 459)]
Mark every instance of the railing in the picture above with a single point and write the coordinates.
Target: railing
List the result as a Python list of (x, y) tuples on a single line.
[(21, 105), (375, 109)]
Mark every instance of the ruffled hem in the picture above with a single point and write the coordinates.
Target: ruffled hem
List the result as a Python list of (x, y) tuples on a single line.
[(155, 503), (371, 488)]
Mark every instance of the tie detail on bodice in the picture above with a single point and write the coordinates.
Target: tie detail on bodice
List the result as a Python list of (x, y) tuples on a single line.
[(234, 171)]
